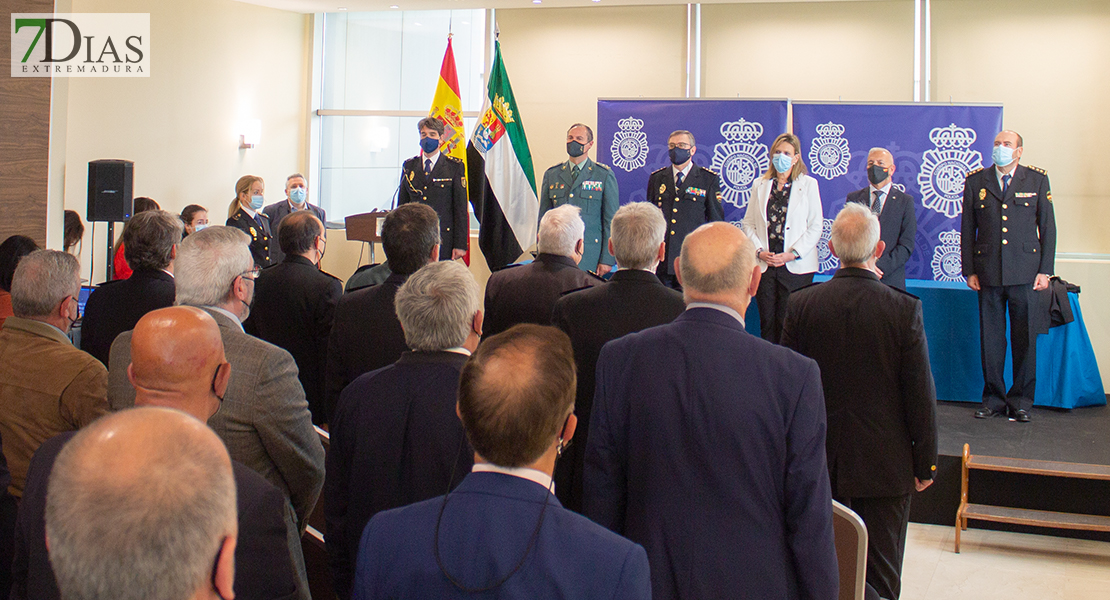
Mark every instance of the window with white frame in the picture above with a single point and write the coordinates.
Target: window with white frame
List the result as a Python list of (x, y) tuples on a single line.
[(379, 74)]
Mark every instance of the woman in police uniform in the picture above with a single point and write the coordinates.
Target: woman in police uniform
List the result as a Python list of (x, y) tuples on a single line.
[(246, 213)]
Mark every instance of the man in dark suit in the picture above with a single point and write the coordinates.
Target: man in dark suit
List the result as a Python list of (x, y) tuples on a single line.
[(527, 294), (707, 444), (438, 180), (294, 304), (896, 215), (296, 199), (191, 338), (264, 419), (395, 437), (869, 341), (1008, 239), (366, 334), (634, 299), (502, 529), (150, 242), (688, 195)]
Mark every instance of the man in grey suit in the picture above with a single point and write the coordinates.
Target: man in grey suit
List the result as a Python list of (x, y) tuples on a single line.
[(264, 418), (296, 199)]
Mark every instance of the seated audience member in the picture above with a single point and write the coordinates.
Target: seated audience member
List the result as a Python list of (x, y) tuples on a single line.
[(120, 268), (171, 529), (73, 233), (366, 334), (502, 530), (195, 218), (170, 348), (294, 304), (11, 251), (296, 199), (264, 418), (869, 341), (151, 240), (634, 299), (527, 294), (395, 437), (707, 444), (46, 385), (245, 214)]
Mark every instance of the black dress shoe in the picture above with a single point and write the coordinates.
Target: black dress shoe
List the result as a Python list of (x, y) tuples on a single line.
[(986, 413), (1020, 415)]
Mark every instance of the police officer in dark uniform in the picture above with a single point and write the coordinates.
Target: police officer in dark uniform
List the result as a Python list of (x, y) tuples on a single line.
[(439, 181), (688, 195), (246, 213), (1008, 242)]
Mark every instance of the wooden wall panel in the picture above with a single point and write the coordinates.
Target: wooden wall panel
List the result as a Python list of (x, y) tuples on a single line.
[(24, 137)]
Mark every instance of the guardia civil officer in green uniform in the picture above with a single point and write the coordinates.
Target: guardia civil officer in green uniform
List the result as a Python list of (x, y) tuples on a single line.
[(1008, 239), (592, 187)]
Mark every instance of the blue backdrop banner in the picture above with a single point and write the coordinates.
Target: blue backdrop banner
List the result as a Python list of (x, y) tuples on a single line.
[(732, 138), (934, 147)]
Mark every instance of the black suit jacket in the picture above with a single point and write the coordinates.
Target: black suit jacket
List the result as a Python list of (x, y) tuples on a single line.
[(294, 304), (869, 341), (263, 564), (1028, 244), (262, 239), (527, 294), (697, 203), (632, 300), (116, 306), (445, 191), (898, 222), (395, 440), (365, 336), (278, 211)]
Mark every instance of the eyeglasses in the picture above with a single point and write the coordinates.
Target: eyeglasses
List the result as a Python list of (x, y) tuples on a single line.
[(681, 145), (253, 273)]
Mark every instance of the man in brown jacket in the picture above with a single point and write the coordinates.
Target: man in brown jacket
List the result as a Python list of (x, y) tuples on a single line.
[(46, 385)]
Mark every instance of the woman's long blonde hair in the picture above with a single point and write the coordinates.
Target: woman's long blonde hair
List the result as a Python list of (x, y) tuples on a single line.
[(799, 167), (242, 186)]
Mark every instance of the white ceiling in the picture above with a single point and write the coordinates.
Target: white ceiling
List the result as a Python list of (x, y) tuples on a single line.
[(314, 6)]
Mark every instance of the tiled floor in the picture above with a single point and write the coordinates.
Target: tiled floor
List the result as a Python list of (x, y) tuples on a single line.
[(1001, 565)]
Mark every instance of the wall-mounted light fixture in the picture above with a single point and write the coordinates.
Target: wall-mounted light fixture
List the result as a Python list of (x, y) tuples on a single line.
[(250, 130)]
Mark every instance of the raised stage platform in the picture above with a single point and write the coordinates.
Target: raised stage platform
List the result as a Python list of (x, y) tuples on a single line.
[(1081, 435)]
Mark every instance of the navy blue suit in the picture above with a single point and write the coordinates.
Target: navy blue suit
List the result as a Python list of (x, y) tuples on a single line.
[(486, 528), (395, 440), (277, 212), (707, 446)]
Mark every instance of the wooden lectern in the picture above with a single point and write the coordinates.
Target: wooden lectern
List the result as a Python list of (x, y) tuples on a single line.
[(366, 227)]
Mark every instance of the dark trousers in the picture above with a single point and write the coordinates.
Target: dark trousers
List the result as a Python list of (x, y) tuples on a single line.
[(771, 297), (994, 302), (886, 520)]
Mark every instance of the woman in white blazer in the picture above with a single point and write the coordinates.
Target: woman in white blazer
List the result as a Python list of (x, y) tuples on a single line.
[(784, 222)]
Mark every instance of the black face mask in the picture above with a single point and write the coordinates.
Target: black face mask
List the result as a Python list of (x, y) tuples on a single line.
[(575, 149), (679, 156), (876, 174)]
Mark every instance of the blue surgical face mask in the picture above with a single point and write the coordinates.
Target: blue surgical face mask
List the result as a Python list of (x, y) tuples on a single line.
[(256, 201), (679, 156), (1002, 155), (429, 145), (782, 162), (200, 227), (297, 195)]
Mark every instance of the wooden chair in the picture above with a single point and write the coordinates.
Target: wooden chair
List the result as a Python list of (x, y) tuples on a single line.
[(851, 551)]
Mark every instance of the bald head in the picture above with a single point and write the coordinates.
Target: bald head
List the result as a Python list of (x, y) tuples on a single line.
[(140, 504), (716, 265), (177, 361)]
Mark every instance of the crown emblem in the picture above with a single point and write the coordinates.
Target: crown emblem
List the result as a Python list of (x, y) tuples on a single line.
[(950, 238), (631, 123), (503, 109), (830, 129), (952, 137), (741, 131)]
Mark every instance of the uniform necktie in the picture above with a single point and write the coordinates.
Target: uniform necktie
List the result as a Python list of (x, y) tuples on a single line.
[(1005, 183), (678, 180), (427, 166), (574, 172), (876, 205)]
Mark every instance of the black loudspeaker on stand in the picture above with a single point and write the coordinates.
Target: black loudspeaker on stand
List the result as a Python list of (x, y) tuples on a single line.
[(111, 198)]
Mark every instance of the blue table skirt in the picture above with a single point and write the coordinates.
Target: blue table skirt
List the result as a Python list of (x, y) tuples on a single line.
[(1067, 372)]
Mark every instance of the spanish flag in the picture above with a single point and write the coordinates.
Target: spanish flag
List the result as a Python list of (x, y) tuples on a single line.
[(447, 105)]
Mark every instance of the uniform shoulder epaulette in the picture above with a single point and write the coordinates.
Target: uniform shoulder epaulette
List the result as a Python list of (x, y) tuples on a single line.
[(970, 173), (659, 170), (603, 166), (453, 159), (712, 171), (1037, 169)]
